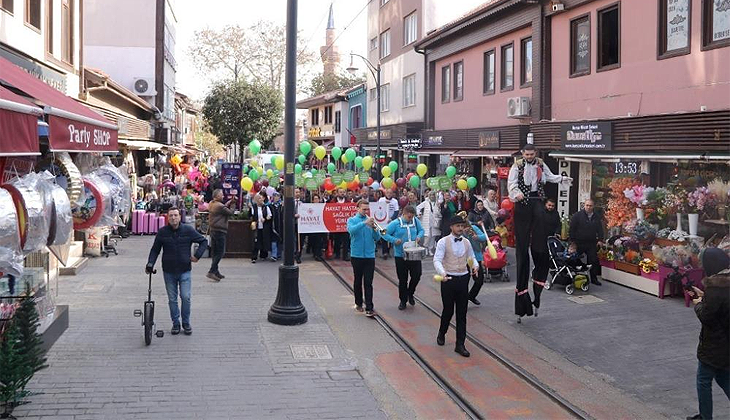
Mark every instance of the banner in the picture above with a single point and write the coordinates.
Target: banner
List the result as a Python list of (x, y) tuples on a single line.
[(231, 174), (332, 217)]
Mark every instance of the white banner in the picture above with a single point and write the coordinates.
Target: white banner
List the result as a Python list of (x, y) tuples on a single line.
[(332, 217)]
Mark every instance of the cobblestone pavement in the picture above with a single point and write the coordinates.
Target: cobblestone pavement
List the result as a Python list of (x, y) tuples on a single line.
[(235, 365)]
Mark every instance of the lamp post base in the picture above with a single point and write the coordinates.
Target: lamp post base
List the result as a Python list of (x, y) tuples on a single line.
[(288, 308)]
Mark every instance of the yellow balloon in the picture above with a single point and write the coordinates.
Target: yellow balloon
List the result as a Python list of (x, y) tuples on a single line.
[(343, 158), (367, 162), (386, 182), (260, 170), (357, 178), (176, 160), (279, 162), (461, 184), (343, 184), (386, 171), (246, 184), (269, 173), (320, 152), (421, 169)]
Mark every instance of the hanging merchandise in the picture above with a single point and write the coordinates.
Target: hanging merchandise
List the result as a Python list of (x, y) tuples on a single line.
[(69, 177), (96, 209), (11, 258), (28, 197), (61, 220), (119, 190)]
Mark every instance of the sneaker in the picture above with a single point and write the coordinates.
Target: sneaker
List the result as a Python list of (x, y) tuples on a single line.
[(253, 261), (187, 329), (412, 300), (213, 277), (358, 308), (370, 313), (402, 306), (221, 276), (475, 301), (272, 259), (175, 330)]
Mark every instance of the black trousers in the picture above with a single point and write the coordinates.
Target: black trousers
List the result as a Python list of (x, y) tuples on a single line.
[(385, 246), (591, 251), (364, 270), (478, 282), (526, 215), (341, 243), (259, 247), (539, 274), (455, 293), (316, 242), (218, 248), (404, 269)]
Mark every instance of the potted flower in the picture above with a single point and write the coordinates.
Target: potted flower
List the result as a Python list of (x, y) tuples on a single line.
[(698, 201), (721, 190), (675, 201), (638, 196), (619, 209)]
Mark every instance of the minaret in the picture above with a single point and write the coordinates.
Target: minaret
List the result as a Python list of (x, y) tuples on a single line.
[(329, 52)]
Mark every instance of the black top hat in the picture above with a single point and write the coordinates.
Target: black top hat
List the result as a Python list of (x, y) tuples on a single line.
[(455, 220)]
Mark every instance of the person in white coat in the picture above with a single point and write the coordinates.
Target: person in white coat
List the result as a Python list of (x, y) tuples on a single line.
[(429, 214)]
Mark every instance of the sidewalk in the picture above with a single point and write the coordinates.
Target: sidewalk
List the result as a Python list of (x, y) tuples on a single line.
[(235, 365)]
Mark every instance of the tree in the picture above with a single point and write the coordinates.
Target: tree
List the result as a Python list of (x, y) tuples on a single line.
[(205, 140), (256, 54), (238, 112), (322, 83)]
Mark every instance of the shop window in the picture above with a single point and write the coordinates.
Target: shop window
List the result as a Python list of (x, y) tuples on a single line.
[(488, 72), (67, 31), (33, 13), (674, 27), (446, 83), (715, 24), (609, 38), (328, 115), (580, 46), (410, 28), (526, 62), (338, 121), (508, 67), (384, 98), (356, 117), (7, 5), (458, 81), (409, 90), (315, 117), (385, 44)]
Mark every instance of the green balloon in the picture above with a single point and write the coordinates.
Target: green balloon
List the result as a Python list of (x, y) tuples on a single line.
[(348, 176), (471, 182), (450, 171), (350, 153), (336, 153), (358, 162), (274, 182), (298, 168), (273, 160), (254, 175), (393, 166), (313, 171), (331, 167), (302, 159), (337, 179), (415, 181), (320, 177), (305, 148), (255, 147)]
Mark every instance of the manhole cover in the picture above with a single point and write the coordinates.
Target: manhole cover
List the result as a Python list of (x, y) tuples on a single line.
[(310, 351), (94, 287), (585, 300)]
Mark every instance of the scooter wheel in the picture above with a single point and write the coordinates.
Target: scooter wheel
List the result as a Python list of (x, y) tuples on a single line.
[(569, 289), (160, 334), (584, 287)]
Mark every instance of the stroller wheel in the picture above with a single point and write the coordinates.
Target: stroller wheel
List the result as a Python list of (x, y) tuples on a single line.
[(548, 284), (505, 277), (584, 287), (569, 289)]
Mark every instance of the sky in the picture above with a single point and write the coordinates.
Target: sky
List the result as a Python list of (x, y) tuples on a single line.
[(312, 21)]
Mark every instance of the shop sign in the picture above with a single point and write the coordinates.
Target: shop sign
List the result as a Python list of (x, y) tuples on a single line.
[(53, 78), (435, 141), (564, 168), (231, 174), (588, 136), (489, 139), (77, 136), (503, 172), (410, 143), (384, 135)]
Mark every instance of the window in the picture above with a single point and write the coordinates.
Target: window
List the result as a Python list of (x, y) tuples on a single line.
[(373, 94), (328, 115), (674, 27), (49, 26), (409, 90), (508, 67), (356, 117), (526, 62), (385, 44), (374, 44), (715, 24), (315, 117), (384, 98), (33, 13), (580, 46), (446, 83), (67, 31), (609, 38), (338, 121), (488, 72), (458, 81), (410, 28), (7, 5)]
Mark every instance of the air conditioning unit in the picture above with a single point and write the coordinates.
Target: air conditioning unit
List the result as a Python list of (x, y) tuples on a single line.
[(144, 86), (518, 107)]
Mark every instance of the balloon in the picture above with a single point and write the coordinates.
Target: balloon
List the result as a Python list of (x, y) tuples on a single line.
[(336, 153), (343, 185), (471, 182), (370, 181), (255, 147), (421, 169), (387, 182), (351, 154), (461, 184), (269, 173), (353, 186), (358, 162), (279, 162), (503, 213), (247, 184), (450, 171), (176, 160), (256, 186), (270, 191), (313, 171), (344, 159), (415, 181), (375, 185), (302, 159), (507, 204), (393, 166), (401, 182), (320, 152), (410, 174), (305, 147), (265, 182), (328, 185), (367, 162), (386, 171), (273, 160), (254, 175), (298, 168), (331, 167), (260, 170)]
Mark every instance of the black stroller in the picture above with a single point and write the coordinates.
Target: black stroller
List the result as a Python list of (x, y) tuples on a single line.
[(573, 273)]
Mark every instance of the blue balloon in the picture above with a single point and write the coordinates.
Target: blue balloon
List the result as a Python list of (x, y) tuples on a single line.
[(375, 185)]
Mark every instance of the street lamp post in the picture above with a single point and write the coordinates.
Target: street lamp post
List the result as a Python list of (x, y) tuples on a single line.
[(375, 72), (288, 308)]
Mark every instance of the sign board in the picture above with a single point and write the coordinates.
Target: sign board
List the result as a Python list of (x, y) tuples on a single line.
[(586, 136), (585, 176), (384, 135), (332, 217), (564, 189), (435, 141), (76, 136), (410, 143), (51, 77), (231, 174), (489, 139)]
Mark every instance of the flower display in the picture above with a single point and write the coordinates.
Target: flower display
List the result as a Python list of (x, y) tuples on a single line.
[(673, 234), (644, 230), (720, 189), (700, 199), (638, 194), (620, 208), (648, 266), (675, 199), (672, 256)]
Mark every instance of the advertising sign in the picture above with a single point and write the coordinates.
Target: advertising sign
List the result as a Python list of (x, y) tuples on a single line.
[(586, 136), (332, 217), (564, 189), (231, 174), (489, 139)]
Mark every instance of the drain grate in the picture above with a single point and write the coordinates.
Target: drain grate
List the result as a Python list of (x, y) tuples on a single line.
[(585, 300), (310, 351)]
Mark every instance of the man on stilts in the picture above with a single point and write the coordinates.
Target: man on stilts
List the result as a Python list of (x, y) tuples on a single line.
[(525, 184)]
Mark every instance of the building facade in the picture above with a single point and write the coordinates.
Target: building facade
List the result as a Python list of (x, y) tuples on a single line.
[(327, 119)]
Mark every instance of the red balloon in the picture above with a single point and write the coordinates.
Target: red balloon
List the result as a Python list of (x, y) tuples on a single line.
[(353, 186), (408, 177), (370, 181), (256, 186), (400, 182), (507, 204), (328, 185), (265, 182), (403, 202)]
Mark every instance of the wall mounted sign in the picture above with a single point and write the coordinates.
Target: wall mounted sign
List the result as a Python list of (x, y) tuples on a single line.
[(410, 143), (435, 141), (489, 139), (587, 136), (384, 135)]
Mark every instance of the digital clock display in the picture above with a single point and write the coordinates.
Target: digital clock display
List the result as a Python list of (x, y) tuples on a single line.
[(626, 167)]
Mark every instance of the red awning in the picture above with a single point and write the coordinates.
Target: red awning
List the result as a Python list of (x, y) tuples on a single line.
[(18, 125), (72, 126)]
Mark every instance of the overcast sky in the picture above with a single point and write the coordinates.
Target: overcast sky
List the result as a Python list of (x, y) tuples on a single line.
[(194, 15)]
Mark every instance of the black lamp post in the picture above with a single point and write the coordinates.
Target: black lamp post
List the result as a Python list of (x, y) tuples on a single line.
[(288, 308), (375, 71)]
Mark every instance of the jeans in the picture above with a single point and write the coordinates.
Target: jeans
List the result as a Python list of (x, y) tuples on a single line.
[(364, 270), (173, 281), (274, 249), (705, 375), (218, 248)]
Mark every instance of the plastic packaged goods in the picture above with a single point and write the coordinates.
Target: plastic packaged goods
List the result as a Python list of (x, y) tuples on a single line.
[(28, 192), (61, 221), (11, 256)]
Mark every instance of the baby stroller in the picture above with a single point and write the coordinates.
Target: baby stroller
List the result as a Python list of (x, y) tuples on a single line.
[(573, 273), (495, 266)]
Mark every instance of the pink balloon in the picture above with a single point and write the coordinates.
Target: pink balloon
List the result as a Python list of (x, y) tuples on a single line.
[(270, 191), (408, 177), (403, 201), (265, 182), (256, 186), (400, 182)]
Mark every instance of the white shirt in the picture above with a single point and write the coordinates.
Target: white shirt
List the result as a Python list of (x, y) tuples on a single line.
[(262, 216), (393, 206), (458, 248), (530, 177)]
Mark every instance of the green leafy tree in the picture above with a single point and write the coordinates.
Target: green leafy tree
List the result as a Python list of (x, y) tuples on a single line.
[(322, 83), (238, 112), (28, 320)]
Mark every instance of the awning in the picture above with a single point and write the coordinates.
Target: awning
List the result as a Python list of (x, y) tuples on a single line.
[(140, 144), (73, 127), (484, 153), (652, 157), (18, 125)]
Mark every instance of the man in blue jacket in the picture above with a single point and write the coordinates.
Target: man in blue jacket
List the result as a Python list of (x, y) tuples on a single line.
[(401, 230), (477, 238), (363, 238), (175, 241)]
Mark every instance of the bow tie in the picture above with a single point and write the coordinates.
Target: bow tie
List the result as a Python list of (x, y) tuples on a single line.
[(530, 163), (458, 239)]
